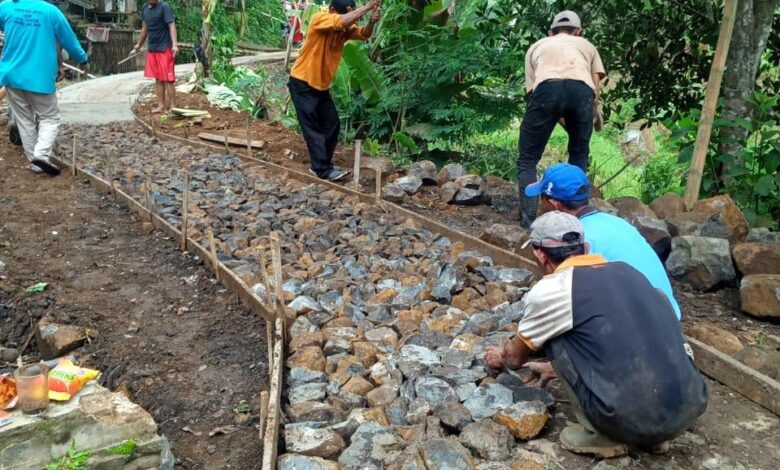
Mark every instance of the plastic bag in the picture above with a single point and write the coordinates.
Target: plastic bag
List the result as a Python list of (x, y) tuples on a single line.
[(66, 379)]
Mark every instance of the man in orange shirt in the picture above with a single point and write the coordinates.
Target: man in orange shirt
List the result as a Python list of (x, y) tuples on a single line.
[(313, 73)]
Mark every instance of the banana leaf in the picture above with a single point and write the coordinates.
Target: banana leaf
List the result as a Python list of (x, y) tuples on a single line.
[(364, 73)]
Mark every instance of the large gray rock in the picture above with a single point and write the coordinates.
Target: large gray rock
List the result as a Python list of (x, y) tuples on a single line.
[(435, 391), (415, 360), (307, 392), (447, 454), (304, 304), (468, 197), (509, 237), (454, 415), (451, 281), (314, 442), (302, 376), (515, 276), (425, 170), (763, 235), (302, 462), (411, 184), (373, 446), (489, 440), (393, 193), (449, 173), (487, 400), (702, 262), (656, 233)]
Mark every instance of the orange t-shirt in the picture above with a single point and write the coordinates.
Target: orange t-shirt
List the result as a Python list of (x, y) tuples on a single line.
[(321, 52)]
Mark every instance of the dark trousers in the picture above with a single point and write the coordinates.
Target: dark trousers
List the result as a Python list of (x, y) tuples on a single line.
[(319, 122), (571, 100)]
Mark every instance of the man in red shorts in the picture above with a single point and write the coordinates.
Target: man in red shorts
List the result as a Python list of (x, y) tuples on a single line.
[(160, 27)]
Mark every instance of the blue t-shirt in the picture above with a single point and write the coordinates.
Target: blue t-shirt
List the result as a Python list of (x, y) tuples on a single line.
[(157, 19), (617, 240), (33, 28)]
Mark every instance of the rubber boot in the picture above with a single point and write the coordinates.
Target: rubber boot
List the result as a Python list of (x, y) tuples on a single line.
[(581, 441), (528, 207)]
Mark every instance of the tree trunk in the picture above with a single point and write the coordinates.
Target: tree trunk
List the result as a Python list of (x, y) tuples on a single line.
[(751, 31)]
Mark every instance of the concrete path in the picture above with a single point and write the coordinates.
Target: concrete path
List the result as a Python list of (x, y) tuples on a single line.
[(110, 98)]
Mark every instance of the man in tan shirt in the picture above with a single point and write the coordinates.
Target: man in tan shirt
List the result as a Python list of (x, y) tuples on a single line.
[(562, 77)]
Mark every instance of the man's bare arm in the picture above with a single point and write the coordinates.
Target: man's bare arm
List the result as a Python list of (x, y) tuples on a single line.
[(174, 39), (597, 84), (349, 19), (144, 33)]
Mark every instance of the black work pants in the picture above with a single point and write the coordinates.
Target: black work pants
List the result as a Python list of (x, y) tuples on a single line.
[(319, 122), (552, 100)]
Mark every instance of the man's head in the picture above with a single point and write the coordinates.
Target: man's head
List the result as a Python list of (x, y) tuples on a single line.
[(566, 22), (563, 187), (556, 236), (152, 2), (342, 6)]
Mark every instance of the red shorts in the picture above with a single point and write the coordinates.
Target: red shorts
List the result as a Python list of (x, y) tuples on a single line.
[(159, 65)]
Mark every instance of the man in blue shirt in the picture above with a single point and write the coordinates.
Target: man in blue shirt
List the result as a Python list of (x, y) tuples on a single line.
[(565, 188), (28, 69)]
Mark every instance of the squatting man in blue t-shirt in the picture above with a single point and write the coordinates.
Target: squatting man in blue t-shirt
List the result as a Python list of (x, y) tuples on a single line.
[(613, 340), (34, 32)]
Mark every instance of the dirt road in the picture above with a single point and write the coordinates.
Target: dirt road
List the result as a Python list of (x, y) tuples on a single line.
[(165, 331)]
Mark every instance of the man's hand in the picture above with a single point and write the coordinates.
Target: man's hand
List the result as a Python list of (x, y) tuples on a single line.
[(135, 50), (494, 356), (175, 50), (60, 73), (376, 15), (85, 67), (544, 370)]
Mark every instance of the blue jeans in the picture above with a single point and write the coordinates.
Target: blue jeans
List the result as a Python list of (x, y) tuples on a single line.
[(552, 100)]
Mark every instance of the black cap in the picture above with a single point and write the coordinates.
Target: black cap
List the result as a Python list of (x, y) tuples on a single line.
[(342, 6)]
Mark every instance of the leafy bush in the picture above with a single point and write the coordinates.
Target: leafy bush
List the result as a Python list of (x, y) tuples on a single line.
[(661, 174), (752, 177)]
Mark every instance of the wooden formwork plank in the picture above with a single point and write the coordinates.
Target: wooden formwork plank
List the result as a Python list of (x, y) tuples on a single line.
[(271, 437), (237, 141), (752, 384)]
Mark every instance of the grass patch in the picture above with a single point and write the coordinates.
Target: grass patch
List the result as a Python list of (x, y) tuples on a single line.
[(125, 448)]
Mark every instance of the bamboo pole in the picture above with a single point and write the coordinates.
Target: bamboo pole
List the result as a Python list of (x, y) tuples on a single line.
[(276, 259), (214, 259), (378, 184), (269, 306), (249, 135), (263, 409), (356, 167), (73, 157), (711, 94), (288, 51), (185, 210)]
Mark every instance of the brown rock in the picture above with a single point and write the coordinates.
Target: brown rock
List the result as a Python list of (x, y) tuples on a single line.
[(720, 339), (523, 419), (305, 223), (383, 296), (457, 248), (313, 338), (312, 442), (408, 321), (464, 300), (759, 295), (383, 336), (366, 352), (357, 385), (55, 340), (376, 415), (656, 233), (496, 297), (314, 411), (725, 210), (508, 237), (448, 191), (757, 258), (766, 363), (382, 396), (668, 205), (629, 208), (603, 206), (308, 357), (446, 324)]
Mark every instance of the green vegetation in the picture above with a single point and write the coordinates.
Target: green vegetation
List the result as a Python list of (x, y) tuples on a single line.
[(73, 460), (126, 448)]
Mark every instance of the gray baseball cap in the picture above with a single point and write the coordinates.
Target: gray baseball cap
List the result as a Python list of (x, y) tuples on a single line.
[(556, 229), (566, 18)]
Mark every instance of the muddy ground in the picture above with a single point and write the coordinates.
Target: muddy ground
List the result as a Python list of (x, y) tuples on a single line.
[(165, 332)]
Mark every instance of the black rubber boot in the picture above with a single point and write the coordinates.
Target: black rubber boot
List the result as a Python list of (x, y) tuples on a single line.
[(528, 206)]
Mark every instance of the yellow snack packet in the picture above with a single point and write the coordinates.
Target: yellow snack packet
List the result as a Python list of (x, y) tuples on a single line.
[(66, 379)]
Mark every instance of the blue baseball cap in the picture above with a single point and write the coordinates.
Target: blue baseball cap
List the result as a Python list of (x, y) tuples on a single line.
[(563, 182)]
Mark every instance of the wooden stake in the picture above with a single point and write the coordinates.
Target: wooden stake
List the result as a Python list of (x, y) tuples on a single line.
[(73, 157), (187, 132), (288, 51), (356, 167), (378, 184), (263, 409), (248, 136), (271, 437), (185, 210), (276, 259), (710, 103), (153, 124), (269, 305), (214, 259), (149, 198), (227, 147)]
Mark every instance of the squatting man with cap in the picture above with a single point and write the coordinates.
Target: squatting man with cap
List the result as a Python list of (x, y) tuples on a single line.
[(313, 72), (562, 77), (614, 341)]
